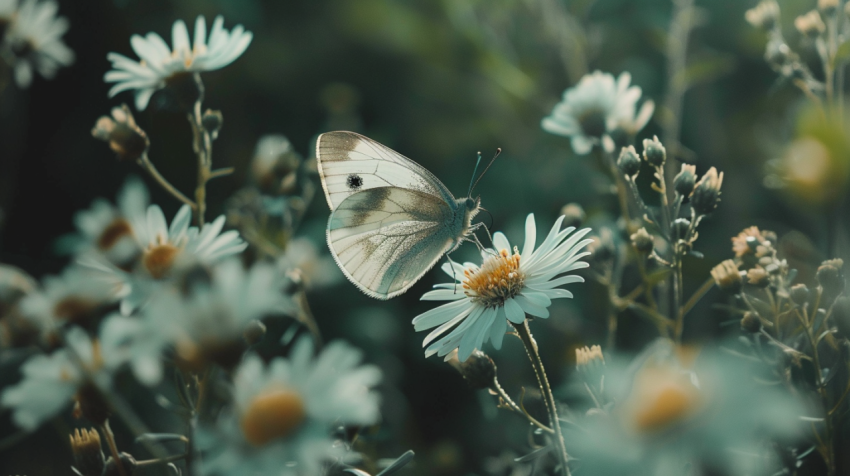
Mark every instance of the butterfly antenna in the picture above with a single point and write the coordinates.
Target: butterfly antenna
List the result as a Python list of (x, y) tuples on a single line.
[(498, 152), (477, 162)]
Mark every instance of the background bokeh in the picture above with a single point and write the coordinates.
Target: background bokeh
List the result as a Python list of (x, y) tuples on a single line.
[(437, 81)]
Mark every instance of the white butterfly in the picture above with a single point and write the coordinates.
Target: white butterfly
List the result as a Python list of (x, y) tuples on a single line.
[(391, 219)]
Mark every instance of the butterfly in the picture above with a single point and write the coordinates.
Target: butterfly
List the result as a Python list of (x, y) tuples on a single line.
[(392, 220)]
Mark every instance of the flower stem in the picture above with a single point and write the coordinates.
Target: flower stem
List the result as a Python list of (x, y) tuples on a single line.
[(203, 148), (113, 448), (548, 398), (145, 162)]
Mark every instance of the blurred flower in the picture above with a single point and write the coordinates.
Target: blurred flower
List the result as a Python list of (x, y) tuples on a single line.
[(78, 296), (810, 24), (589, 356), (643, 241), (667, 413), (765, 15), (15, 330), (828, 7), (727, 277), (317, 269), (597, 107), (748, 242), (107, 230), (505, 287), (33, 36), (125, 138), (285, 410), (274, 159), (80, 371), (166, 248), (206, 322), (574, 214), (159, 64), (758, 277)]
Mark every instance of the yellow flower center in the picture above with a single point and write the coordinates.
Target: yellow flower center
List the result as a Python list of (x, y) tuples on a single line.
[(158, 259), (498, 279), (663, 397), (274, 414)]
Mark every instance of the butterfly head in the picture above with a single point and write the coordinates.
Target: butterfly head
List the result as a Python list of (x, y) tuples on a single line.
[(472, 204)]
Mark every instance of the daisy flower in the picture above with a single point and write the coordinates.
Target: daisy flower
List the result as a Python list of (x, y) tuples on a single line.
[(208, 324), (107, 229), (596, 109), (80, 371), (284, 412), (34, 38), (77, 296), (158, 63), (165, 248), (506, 287)]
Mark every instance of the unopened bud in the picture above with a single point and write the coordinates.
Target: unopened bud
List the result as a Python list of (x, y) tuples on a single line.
[(654, 152), (706, 194), (254, 332), (727, 277), (642, 241), (588, 358), (629, 162), (758, 277), (810, 24), (602, 247), (765, 15), (212, 122), (828, 7), (573, 215), (125, 138), (799, 294), (831, 277), (679, 229), (685, 180), (751, 323), (88, 455), (777, 52), (478, 370)]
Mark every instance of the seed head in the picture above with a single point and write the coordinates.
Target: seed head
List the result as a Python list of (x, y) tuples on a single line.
[(727, 277), (750, 323), (478, 370), (758, 277)]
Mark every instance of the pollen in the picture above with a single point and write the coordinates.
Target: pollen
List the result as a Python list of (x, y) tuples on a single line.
[(111, 234), (498, 279), (158, 259), (272, 415)]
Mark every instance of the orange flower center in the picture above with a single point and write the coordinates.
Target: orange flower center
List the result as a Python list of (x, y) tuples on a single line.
[(663, 398), (115, 231), (158, 259), (498, 279), (271, 415)]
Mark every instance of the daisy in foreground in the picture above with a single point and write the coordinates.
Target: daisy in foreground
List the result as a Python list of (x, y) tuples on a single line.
[(506, 287), (285, 411), (158, 63)]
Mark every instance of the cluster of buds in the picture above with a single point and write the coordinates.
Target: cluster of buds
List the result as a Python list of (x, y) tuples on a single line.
[(755, 251)]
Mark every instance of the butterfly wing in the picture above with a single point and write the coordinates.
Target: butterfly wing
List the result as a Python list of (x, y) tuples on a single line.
[(350, 163), (385, 238)]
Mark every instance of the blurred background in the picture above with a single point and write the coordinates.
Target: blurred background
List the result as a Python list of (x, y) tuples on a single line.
[(437, 81)]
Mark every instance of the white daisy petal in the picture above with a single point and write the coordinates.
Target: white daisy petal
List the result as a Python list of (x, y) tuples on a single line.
[(499, 328), (514, 311)]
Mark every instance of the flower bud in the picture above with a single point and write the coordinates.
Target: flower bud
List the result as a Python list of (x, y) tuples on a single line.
[(478, 370), (254, 332), (589, 358), (727, 277), (573, 215), (679, 229), (684, 182), (810, 24), (765, 15), (642, 241), (777, 52), (88, 455), (629, 162), (125, 138), (212, 122), (831, 278), (758, 277), (602, 247), (706, 194), (828, 7), (799, 294), (654, 152), (751, 323)]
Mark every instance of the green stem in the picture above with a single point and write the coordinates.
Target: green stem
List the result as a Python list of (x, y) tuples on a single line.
[(113, 448), (549, 399)]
